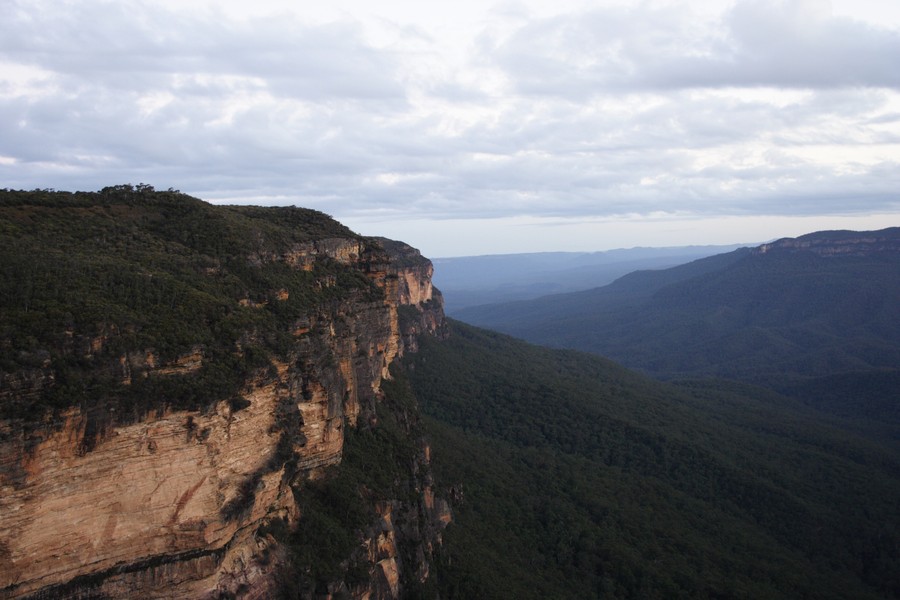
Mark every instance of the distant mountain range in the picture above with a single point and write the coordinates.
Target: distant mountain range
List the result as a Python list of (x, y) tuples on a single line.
[(783, 314), (474, 280)]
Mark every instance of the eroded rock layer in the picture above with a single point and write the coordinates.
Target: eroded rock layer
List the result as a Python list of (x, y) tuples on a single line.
[(171, 503)]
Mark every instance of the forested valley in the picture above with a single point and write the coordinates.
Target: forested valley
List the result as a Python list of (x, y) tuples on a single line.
[(574, 477)]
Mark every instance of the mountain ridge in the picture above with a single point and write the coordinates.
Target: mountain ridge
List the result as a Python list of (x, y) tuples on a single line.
[(475, 280), (840, 242), (794, 308)]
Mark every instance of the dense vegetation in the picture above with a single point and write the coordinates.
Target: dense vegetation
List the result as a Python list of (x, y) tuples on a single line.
[(782, 318), (378, 467), (92, 282), (577, 478), (88, 277)]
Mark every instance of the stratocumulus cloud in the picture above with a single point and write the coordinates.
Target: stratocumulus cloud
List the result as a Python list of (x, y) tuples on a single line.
[(764, 108), (757, 43)]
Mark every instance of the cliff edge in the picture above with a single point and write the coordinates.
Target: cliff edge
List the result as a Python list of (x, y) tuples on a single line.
[(177, 377)]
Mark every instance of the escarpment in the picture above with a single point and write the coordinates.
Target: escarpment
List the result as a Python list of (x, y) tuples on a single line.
[(838, 243), (178, 377)]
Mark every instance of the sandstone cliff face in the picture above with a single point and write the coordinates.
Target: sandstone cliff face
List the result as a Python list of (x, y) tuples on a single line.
[(839, 243), (171, 506)]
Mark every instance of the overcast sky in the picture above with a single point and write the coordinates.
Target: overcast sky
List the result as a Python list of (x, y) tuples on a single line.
[(471, 127)]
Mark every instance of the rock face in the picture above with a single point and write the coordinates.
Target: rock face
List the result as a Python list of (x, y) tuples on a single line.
[(839, 243), (172, 505)]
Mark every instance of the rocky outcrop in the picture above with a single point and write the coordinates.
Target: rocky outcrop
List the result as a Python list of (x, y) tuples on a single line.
[(156, 492), (303, 256), (173, 504), (839, 243)]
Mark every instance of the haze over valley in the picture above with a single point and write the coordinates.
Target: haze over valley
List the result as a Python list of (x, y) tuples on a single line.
[(447, 301), (476, 280)]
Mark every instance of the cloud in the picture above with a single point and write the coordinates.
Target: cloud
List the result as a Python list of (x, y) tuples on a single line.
[(790, 43), (776, 108), (141, 89), (131, 46)]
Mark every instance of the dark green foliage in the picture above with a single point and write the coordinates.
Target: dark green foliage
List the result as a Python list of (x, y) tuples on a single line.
[(774, 318), (870, 395), (101, 292), (86, 279), (378, 467), (581, 479)]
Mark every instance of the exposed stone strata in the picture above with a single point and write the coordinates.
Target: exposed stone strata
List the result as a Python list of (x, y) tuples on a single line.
[(146, 362), (838, 243), (399, 544), (25, 385), (146, 491), (304, 256), (171, 506)]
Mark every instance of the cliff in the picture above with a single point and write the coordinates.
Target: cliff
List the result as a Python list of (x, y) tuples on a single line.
[(178, 377), (839, 243)]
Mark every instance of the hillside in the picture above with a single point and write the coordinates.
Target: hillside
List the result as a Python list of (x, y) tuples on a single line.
[(570, 476), (782, 314), (476, 280), (195, 401)]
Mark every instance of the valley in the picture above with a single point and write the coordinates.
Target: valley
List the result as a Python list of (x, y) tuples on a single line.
[(202, 401)]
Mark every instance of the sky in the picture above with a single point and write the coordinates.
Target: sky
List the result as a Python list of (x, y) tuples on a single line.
[(471, 127)]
